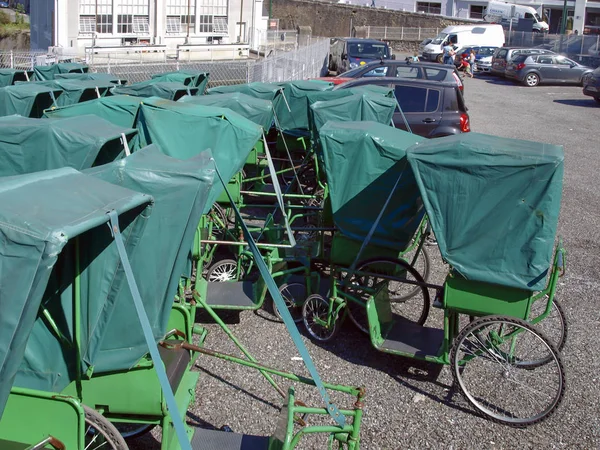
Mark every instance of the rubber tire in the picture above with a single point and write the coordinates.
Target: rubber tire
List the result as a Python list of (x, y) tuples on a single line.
[(297, 317), (141, 430), (336, 322), (535, 79), (111, 434), (456, 371), (213, 268), (358, 317), (440, 58)]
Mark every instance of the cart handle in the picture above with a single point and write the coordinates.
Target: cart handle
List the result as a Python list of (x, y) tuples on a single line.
[(58, 445)]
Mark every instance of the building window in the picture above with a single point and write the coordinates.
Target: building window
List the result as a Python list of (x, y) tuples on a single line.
[(179, 24), (95, 15), (476, 11), (179, 14), (132, 17), (213, 17), (430, 8)]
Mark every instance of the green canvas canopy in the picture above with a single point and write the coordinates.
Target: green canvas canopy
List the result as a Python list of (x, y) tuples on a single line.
[(151, 88), (257, 110), (43, 73), (264, 91), (362, 105), (76, 91), (363, 161), (104, 77), (31, 145), (180, 190), (195, 79), (9, 77), (41, 214), (182, 130), (120, 110), (493, 204), (299, 94), (27, 99)]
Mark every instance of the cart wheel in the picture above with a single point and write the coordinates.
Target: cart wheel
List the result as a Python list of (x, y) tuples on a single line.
[(413, 307), (131, 431), (218, 217), (487, 364), (293, 295), (555, 325), (315, 314), (224, 270), (100, 433), (421, 264)]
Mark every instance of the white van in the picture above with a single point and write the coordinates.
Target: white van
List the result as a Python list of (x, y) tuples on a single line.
[(506, 11), (481, 35)]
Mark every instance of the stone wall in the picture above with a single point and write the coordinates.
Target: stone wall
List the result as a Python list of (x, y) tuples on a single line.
[(331, 19), (18, 40)]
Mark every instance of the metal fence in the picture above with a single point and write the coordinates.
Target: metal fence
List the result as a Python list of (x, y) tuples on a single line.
[(303, 62)]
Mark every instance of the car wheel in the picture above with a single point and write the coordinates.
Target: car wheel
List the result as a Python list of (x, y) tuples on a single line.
[(585, 78), (531, 79), (440, 58), (597, 100)]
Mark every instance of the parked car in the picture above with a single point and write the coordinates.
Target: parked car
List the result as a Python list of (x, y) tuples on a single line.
[(3, 4), (401, 69), (432, 108), (504, 55), (480, 53), (484, 64), (532, 70), (349, 53), (591, 85)]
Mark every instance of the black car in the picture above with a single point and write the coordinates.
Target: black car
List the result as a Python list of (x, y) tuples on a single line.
[(432, 108), (532, 70), (402, 69), (591, 85)]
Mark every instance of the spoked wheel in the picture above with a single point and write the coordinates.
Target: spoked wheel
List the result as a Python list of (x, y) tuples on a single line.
[(224, 270), (409, 301), (131, 431), (532, 79), (100, 433), (293, 295), (554, 326), (219, 220), (316, 317), (420, 263), (489, 363)]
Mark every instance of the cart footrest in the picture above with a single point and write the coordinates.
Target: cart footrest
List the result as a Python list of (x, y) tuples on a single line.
[(231, 294), (221, 440), (409, 339)]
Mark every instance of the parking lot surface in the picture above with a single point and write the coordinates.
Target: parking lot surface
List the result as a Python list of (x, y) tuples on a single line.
[(413, 405)]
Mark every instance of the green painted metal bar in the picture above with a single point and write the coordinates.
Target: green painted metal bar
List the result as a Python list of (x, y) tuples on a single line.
[(77, 318)]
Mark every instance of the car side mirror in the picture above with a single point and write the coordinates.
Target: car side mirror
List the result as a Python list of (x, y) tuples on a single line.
[(393, 56)]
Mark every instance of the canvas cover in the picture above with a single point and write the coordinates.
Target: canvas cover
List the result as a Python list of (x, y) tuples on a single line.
[(257, 110), (31, 145), (27, 99), (195, 79), (43, 73), (182, 130), (299, 94), (103, 77), (10, 76), (264, 91), (493, 204), (152, 88), (75, 91), (120, 110), (40, 215), (180, 190), (363, 161)]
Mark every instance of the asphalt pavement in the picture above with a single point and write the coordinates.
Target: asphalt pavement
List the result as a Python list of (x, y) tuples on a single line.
[(414, 405)]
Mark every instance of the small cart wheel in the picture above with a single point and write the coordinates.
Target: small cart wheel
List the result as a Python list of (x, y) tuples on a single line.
[(317, 318), (410, 301), (224, 270), (554, 326), (100, 433), (131, 431), (488, 365), (293, 295), (421, 264)]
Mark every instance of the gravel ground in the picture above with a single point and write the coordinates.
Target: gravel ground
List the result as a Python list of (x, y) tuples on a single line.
[(411, 404)]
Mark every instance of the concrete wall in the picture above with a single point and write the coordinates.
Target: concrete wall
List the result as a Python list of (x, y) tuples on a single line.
[(332, 19)]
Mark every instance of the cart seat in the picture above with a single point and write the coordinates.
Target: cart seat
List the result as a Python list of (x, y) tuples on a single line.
[(176, 361), (231, 294), (221, 440)]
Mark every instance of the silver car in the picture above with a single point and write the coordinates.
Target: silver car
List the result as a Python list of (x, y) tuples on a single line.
[(532, 70)]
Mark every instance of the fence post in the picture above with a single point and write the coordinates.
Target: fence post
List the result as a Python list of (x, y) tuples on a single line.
[(108, 65), (581, 51), (385, 32), (12, 60), (401, 33), (32, 62)]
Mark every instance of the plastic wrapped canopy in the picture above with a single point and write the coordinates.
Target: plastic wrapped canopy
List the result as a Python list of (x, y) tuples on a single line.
[(104, 77), (195, 79), (152, 88), (9, 77), (182, 130), (31, 145), (180, 190), (40, 215), (27, 99), (257, 110), (121, 110), (43, 73), (363, 162), (493, 204), (75, 91)]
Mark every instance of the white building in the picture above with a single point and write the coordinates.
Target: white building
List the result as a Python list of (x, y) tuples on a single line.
[(111, 23)]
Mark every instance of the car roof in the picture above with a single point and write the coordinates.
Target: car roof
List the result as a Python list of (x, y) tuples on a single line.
[(368, 41), (398, 62), (396, 80)]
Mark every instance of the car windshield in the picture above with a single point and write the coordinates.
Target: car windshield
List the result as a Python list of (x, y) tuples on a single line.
[(486, 51), (368, 50), (440, 38)]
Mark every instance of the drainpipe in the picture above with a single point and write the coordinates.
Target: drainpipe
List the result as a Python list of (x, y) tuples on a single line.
[(187, 38), (241, 17)]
